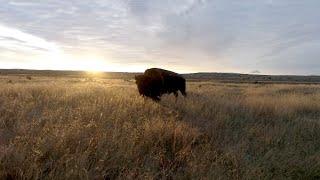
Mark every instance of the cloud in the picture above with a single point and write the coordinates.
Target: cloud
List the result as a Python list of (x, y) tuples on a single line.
[(197, 35), (20, 41)]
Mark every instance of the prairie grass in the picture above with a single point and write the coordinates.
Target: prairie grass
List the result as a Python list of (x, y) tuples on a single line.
[(63, 128)]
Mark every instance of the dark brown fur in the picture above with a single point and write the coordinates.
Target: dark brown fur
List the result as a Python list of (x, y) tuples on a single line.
[(155, 82)]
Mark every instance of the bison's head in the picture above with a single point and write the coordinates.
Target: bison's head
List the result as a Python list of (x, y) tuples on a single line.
[(141, 83), (149, 86), (138, 78)]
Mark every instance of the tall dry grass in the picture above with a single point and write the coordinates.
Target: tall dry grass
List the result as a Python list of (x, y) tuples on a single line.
[(102, 129)]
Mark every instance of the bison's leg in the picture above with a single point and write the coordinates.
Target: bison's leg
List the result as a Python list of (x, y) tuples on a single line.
[(156, 98), (176, 95), (155, 95), (183, 92)]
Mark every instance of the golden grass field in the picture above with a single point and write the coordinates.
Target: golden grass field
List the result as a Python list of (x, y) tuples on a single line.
[(76, 128)]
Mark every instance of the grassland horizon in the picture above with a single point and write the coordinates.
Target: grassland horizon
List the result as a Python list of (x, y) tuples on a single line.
[(69, 127)]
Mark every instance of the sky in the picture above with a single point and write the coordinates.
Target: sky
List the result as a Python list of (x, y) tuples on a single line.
[(244, 36)]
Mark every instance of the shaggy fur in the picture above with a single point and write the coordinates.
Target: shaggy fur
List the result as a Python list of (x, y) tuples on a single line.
[(155, 82)]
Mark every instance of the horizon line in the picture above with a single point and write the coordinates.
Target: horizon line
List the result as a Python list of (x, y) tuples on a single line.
[(204, 72)]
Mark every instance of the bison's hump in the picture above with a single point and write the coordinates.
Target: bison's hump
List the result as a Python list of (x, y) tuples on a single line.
[(159, 72)]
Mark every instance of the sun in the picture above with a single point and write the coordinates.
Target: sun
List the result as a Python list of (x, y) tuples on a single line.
[(92, 65)]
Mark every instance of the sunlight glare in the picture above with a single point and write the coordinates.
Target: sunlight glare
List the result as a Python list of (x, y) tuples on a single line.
[(92, 65)]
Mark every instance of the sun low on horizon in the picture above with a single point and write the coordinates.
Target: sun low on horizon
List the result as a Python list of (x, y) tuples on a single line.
[(95, 65)]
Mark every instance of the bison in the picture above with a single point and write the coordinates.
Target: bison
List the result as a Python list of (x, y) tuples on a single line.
[(155, 82)]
